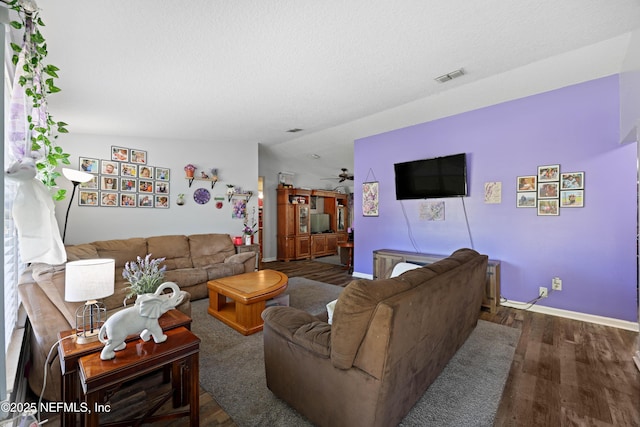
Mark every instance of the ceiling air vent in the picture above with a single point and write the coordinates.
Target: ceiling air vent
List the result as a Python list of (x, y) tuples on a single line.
[(294, 130), (450, 76)]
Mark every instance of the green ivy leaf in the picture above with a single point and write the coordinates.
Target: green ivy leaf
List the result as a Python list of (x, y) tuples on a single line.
[(60, 195), (17, 25), (15, 47)]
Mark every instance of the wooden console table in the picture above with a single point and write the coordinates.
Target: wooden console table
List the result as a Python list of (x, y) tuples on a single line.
[(385, 259), (70, 352), (101, 378)]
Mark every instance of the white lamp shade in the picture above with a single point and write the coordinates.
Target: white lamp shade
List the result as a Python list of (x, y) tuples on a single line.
[(76, 175), (89, 279)]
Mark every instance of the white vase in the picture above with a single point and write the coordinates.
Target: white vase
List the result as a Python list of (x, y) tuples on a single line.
[(247, 240)]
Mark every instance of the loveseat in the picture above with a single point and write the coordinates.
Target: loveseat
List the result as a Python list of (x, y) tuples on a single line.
[(191, 261), (388, 341)]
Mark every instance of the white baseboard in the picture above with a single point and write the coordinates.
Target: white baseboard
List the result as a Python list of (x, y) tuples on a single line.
[(591, 318), (362, 275)]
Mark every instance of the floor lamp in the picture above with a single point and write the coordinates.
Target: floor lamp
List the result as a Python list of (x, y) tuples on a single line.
[(76, 177)]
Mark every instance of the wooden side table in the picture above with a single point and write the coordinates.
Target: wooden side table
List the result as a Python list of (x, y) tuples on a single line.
[(349, 247), (70, 352), (101, 378)]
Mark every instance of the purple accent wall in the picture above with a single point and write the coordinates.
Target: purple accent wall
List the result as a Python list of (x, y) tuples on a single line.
[(592, 249)]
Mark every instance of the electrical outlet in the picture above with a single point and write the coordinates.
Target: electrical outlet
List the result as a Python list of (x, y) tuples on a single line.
[(556, 284), (544, 292)]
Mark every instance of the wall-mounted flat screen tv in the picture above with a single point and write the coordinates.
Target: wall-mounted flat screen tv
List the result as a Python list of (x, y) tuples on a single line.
[(432, 178)]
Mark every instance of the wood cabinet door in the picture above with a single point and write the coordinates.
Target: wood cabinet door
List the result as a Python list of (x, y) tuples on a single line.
[(332, 244), (303, 247)]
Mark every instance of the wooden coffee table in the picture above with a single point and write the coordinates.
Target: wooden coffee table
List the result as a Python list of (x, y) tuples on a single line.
[(248, 293)]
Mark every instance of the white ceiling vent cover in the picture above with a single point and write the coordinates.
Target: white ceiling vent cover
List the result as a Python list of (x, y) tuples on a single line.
[(450, 76)]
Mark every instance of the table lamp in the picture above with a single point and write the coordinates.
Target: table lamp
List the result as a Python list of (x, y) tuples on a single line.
[(76, 177), (88, 280)]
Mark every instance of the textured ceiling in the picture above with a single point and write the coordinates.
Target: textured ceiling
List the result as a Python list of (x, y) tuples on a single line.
[(246, 71)]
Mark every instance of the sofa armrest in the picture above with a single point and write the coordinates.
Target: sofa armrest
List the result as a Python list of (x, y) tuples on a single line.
[(246, 258), (301, 328)]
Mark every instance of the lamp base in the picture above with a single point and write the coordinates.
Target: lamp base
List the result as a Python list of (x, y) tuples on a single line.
[(89, 319), (86, 337)]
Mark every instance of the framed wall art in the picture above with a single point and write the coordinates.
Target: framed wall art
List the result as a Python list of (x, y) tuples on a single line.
[(119, 154), (138, 157), (526, 199), (129, 169), (548, 207), (107, 167), (572, 181), (89, 165), (572, 199), (548, 173), (548, 190), (88, 198), (370, 201), (527, 183)]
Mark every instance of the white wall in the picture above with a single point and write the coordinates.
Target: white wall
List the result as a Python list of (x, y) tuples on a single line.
[(236, 164)]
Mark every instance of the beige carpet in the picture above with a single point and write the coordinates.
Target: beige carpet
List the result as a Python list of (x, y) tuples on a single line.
[(466, 393)]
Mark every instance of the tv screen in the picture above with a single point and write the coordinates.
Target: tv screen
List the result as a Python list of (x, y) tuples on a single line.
[(432, 178)]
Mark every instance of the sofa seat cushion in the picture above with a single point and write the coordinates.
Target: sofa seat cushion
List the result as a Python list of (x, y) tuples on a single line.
[(185, 277), (209, 249), (51, 281), (301, 328), (123, 250), (174, 249)]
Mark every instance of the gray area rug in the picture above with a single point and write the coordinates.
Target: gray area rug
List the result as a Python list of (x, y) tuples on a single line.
[(466, 393)]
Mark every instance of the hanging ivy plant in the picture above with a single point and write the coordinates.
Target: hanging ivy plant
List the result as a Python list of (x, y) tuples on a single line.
[(38, 81)]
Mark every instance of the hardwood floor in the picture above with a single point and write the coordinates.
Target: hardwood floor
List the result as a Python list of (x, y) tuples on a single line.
[(564, 373)]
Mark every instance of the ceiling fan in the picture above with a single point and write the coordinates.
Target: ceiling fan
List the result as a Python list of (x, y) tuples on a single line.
[(343, 176)]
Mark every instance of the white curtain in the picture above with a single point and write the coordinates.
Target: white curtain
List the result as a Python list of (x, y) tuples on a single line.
[(12, 265)]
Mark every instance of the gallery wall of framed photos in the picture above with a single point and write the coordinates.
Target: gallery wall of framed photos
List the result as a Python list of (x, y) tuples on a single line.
[(550, 190), (124, 180)]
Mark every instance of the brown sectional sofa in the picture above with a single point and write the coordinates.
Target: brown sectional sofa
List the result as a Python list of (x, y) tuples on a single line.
[(388, 342), (191, 261)]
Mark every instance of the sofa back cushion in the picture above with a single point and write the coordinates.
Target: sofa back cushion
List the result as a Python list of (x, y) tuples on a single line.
[(122, 250), (209, 249), (83, 251), (358, 304), (175, 250)]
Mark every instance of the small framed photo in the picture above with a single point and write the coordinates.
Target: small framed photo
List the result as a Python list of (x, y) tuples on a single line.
[(129, 169), (548, 207), (527, 183), (138, 156), (162, 202), (129, 185), (108, 167), (145, 186), (108, 183), (91, 184), (572, 199), (548, 173), (162, 187), (526, 199), (119, 154), (162, 174), (88, 198), (128, 200), (572, 181), (108, 198), (548, 190), (89, 165), (145, 172), (145, 201)]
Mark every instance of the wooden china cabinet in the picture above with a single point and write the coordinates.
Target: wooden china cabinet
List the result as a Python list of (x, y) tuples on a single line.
[(295, 239)]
